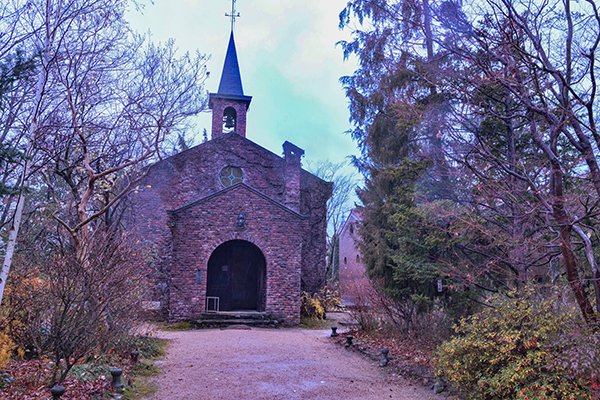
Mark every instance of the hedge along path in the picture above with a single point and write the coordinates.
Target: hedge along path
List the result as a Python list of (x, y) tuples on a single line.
[(286, 364)]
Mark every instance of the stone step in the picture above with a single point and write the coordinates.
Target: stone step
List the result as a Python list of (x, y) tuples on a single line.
[(218, 323), (227, 315)]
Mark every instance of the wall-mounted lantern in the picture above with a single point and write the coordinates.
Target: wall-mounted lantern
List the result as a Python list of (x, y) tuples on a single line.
[(241, 220)]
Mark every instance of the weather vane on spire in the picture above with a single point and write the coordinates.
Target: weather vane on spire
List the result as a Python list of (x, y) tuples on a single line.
[(234, 14)]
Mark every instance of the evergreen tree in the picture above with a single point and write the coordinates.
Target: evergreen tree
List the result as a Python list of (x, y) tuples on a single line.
[(479, 143), (15, 68), (399, 114)]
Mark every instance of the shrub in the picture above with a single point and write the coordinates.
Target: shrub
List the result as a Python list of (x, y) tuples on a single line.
[(317, 304), (92, 300), (312, 307), (71, 306), (510, 352), (7, 346), (365, 310), (91, 370), (24, 308), (367, 317)]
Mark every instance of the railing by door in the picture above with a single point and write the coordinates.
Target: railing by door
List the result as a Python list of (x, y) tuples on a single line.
[(214, 301)]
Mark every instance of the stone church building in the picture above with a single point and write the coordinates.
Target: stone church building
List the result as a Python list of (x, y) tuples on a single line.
[(229, 225), (356, 289)]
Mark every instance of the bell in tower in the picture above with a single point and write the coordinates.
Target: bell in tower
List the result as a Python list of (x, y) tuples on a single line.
[(229, 120)]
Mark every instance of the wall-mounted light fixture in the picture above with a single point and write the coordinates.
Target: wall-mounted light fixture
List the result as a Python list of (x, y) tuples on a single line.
[(241, 220)]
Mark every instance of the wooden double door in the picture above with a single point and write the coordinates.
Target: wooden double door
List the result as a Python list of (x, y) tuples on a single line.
[(236, 275)]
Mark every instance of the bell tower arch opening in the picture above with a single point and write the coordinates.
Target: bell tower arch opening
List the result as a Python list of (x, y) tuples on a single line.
[(229, 120), (237, 276)]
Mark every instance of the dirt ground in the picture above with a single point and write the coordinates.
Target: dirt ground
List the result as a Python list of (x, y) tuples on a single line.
[(272, 364)]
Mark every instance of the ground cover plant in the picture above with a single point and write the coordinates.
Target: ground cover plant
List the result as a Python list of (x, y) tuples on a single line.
[(89, 380)]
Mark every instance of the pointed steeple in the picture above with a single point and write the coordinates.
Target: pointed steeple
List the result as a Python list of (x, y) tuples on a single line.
[(229, 104), (231, 79)]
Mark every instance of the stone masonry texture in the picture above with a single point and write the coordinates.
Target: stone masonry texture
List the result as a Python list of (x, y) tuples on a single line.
[(181, 212)]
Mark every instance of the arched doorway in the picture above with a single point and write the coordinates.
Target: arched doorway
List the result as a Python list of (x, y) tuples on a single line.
[(236, 275)]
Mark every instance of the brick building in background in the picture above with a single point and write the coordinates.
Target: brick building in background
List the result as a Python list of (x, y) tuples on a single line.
[(355, 287), (228, 221)]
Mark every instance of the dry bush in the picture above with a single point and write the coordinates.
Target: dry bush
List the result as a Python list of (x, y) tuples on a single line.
[(363, 310), (432, 327), (92, 300), (374, 310), (71, 306)]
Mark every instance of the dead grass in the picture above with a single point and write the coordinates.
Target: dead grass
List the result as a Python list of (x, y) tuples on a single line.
[(177, 326), (142, 374), (314, 323), (140, 390)]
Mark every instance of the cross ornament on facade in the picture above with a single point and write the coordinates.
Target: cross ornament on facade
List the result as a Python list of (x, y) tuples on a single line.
[(234, 14)]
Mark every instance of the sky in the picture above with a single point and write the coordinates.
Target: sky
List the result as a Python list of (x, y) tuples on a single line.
[(289, 63)]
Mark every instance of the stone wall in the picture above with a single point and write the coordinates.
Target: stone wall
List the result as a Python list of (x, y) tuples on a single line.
[(200, 228), (314, 196)]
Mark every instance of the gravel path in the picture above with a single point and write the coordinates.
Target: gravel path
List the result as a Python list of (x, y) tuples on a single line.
[(261, 364)]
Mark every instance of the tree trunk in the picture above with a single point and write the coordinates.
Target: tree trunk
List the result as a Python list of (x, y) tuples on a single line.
[(436, 120), (517, 247), (11, 244), (335, 275), (590, 256), (566, 245), (31, 131)]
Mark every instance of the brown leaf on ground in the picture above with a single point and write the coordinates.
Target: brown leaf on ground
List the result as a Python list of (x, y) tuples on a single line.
[(31, 382), (408, 356)]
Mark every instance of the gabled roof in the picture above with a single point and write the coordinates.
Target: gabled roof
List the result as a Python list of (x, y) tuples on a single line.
[(231, 79), (354, 216), (234, 187), (234, 136)]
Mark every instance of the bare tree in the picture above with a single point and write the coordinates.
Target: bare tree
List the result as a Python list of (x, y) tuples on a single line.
[(44, 39), (105, 100), (338, 206), (542, 59)]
